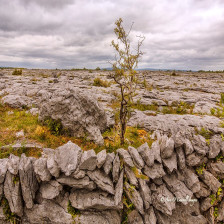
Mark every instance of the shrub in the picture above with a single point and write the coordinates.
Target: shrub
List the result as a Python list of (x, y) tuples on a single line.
[(98, 68), (17, 72), (100, 82), (222, 98)]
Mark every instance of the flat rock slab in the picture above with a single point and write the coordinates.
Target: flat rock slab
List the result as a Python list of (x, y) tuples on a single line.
[(156, 171), (88, 160), (102, 180)]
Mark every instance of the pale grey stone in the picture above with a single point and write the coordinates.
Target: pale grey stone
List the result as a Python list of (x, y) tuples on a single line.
[(131, 176), (188, 148), (13, 164), (150, 217), (68, 157), (145, 192), (107, 166), (135, 197), (166, 147), (102, 180), (50, 190), (137, 159), (180, 158), (101, 158), (28, 180), (126, 157), (146, 154), (204, 191), (116, 168), (170, 163), (215, 146), (206, 204), (119, 190), (85, 182), (199, 144), (3, 169), (79, 174), (88, 160), (12, 192), (156, 171), (40, 169), (135, 218), (53, 166)]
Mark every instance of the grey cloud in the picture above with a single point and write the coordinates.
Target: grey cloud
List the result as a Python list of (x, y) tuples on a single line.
[(54, 33)]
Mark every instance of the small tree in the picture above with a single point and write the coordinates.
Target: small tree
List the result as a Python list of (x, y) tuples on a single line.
[(124, 73)]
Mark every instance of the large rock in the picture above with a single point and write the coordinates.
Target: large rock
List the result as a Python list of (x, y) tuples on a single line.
[(78, 111), (85, 182), (116, 168), (28, 180), (145, 193), (88, 160), (53, 166), (109, 217), (98, 200), (178, 188), (12, 192), (50, 190), (199, 144), (101, 158), (135, 218), (103, 181), (3, 169), (126, 157), (156, 171), (13, 164), (221, 211), (180, 158), (48, 212), (188, 147), (131, 176), (215, 146), (16, 101), (166, 147), (146, 154), (137, 159), (210, 181), (163, 200), (150, 217), (40, 169), (170, 163), (135, 197), (108, 163), (119, 190), (68, 157)]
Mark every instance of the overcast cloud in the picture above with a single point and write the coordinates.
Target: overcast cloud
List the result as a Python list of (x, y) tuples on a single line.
[(180, 34)]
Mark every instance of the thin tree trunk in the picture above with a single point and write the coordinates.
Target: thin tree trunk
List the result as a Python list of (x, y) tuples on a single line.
[(123, 115)]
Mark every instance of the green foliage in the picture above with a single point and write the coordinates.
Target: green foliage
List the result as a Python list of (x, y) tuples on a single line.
[(222, 98), (205, 133), (97, 69), (10, 217), (128, 207), (173, 73), (143, 107), (55, 126), (216, 198), (15, 179), (139, 174), (17, 72), (101, 83), (201, 169), (123, 71), (73, 211)]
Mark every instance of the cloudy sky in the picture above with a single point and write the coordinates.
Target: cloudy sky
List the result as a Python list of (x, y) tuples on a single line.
[(179, 34)]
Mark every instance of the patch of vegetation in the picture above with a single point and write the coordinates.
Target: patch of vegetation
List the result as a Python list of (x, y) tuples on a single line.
[(17, 72), (222, 98), (143, 107), (101, 83), (139, 175), (73, 211), (97, 69), (216, 198), (201, 169), (54, 126), (205, 133), (180, 108), (10, 217), (128, 207)]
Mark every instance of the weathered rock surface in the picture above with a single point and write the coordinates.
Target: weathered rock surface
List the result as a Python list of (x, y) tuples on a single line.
[(13, 164), (145, 193), (107, 166), (98, 200), (52, 166), (131, 176), (146, 154), (101, 158), (150, 217), (40, 169), (3, 169), (28, 180), (85, 182), (163, 200), (126, 157), (170, 163), (68, 157), (215, 146), (78, 111), (135, 218), (119, 190), (155, 171), (12, 192), (50, 190), (166, 147), (135, 197), (16, 101), (137, 159), (48, 212), (103, 181), (116, 168), (88, 160)]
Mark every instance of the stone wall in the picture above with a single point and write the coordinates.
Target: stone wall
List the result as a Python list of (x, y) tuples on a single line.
[(179, 179)]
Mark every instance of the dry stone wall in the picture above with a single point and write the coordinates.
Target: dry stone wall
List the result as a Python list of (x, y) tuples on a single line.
[(179, 179)]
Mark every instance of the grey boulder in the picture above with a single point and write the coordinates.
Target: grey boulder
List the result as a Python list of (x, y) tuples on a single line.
[(88, 160)]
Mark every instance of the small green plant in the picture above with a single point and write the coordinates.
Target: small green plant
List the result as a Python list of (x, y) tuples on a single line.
[(55, 126), (101, 83), (97, 69), (222, 98), (10, 217), (139, 174), (215, 213), (201, 169), (15, 179), (212, 110), (128, 207), (73, 211), (17, 72), (205, 133)]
